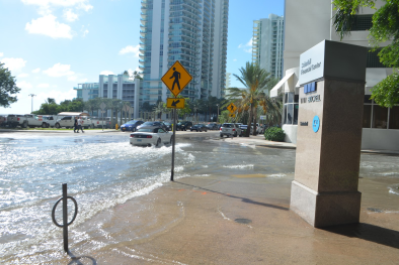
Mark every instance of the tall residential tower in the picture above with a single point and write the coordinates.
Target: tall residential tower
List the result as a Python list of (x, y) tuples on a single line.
[(268, 44), (193, 32)]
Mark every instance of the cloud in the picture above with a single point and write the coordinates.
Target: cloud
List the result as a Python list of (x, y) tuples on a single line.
[(131, 49), (56, 94), (1, 54), (13, 64), (24, 85), (23, 75), (48, 26), (106, 73), (235, 60), (246, 47), (70, 16), (43, 86), (63, 3), (37, 70), (59, 70)]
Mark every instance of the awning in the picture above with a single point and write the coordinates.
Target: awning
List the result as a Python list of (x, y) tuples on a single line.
[(277, 88)]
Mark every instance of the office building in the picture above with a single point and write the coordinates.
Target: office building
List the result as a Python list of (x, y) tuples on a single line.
[(120, 87), (192, 32), (307, 23), (268, 44)]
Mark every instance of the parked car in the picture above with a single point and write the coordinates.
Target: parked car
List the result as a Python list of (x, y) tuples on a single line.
[(261, 129), (69, 121), (154, 124), (184, 125), (100, 122), (2, 120), (10, 120), (150, 136), (230, 129), (212, 126), (131, 125), (31, 120), (199, 128), (169, 125)]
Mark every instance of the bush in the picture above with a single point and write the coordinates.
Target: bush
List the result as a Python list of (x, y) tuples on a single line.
[(274, 134)]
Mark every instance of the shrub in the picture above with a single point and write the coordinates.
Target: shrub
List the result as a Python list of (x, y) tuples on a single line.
[(274, 134)]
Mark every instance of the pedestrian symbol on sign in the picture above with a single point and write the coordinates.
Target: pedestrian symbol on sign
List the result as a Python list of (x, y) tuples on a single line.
[(176, 76)]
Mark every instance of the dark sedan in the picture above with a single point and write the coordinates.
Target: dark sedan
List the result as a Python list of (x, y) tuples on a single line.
[(131, 126), (198, 128), (154, 124), (212, 126)]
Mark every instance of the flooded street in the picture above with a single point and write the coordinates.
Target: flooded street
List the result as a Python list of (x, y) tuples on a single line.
[(104, 172)]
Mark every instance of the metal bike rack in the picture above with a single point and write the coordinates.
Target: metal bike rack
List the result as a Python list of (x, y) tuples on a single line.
[(65, 224)]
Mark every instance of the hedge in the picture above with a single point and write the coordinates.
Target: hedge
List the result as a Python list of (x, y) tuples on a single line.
[(274, 134)]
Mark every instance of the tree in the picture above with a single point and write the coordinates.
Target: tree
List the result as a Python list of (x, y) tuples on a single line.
[(159, 109), (8, 87), (385, 28), (256, 80)]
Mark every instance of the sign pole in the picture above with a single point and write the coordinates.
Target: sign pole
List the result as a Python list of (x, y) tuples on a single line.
[(173, 145)]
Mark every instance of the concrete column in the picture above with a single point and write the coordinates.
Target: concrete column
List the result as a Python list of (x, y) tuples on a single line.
[(324, 191)]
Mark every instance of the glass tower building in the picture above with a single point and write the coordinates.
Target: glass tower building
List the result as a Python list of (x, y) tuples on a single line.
[(268, 44), (193, 32)]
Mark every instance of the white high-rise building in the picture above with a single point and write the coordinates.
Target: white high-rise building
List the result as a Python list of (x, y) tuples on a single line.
[(268, 44), (193, 32)]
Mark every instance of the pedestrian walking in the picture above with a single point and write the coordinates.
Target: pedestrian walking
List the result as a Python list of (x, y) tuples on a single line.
[(75, 125), (80, 124)]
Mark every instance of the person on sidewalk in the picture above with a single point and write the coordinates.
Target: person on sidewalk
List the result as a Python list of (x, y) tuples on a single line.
[(75, 125), (80, 125)]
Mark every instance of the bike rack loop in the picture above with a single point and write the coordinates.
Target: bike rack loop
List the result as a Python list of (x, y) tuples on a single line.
[(65, 224)]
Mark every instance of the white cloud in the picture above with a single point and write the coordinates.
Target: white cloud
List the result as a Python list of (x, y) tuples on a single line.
[(131, 49), (59, 70), (64, 3), (106, 73), (56, 94), (37, 70), (70, 16), (85, 7), (43, 85), (246, 47), (48, 26), (13, 64), (24, 85), (235, 60), (23, 75), (1, 54)]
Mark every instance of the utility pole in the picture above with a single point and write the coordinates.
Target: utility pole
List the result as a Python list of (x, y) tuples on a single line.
[(217, 116), (31, 95)]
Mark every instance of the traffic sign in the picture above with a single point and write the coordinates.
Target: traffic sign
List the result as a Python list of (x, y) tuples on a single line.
[(232, 108), (103, 106), (175, 103), (262, 117), (232, 115), (176, 78)]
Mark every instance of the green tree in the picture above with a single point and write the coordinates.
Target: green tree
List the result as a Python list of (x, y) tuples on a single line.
[(8, 87), (385, 28), (256, 80)]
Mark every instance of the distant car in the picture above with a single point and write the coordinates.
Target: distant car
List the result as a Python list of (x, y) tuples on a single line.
[(153, 124), (2, 120), (151, 136), (169, 125), (131, 125), (230, 129), (184, 125), (261, 129), (199, 128), (212, 126)]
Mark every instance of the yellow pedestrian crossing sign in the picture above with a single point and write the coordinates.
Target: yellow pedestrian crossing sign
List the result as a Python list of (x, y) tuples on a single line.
[(176, 78), (232, 108), (232, 115), (175, 103)]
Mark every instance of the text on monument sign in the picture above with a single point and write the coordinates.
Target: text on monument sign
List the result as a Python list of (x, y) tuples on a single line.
[(311, 64)]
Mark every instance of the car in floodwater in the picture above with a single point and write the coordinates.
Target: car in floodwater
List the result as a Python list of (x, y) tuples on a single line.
[(131, 126), (199, 128), (154, 124), (230, 130), (212, 126), (151, 136)]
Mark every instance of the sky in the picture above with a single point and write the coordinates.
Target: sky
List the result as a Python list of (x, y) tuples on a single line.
[(51, 46)]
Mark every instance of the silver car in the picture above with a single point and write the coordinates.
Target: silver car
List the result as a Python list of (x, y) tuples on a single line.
[(230, 130)]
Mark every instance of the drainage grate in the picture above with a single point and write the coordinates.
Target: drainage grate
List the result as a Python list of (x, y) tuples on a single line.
[(242, 221)]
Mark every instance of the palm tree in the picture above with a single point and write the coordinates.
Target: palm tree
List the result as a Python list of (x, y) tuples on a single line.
[(159, 109), (256, 81)]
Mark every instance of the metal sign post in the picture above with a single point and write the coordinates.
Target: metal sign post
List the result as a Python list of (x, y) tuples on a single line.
[(175, 79), (102, 107)]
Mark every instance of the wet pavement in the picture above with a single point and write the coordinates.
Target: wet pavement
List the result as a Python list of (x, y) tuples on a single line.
[(228, 205)]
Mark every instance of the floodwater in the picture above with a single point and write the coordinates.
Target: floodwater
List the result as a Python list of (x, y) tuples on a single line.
[(104, 171)]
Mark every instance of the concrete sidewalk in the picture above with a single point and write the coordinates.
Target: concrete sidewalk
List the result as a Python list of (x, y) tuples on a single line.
[(55, 131)]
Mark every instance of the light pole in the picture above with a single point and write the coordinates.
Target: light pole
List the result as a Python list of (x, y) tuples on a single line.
[(31, 95), (217, 114)]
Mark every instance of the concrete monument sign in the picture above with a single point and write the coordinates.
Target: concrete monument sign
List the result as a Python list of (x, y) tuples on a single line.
[(324, 191)]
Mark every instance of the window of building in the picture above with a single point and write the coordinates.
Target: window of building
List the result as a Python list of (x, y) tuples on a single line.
[(291, 108), (394, 118), (380, 117)]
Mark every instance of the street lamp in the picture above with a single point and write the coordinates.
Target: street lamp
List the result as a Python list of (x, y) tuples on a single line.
[(31, 95)]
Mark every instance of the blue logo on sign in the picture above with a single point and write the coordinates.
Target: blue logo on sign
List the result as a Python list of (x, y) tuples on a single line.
[(311, 87), (316, 123)]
